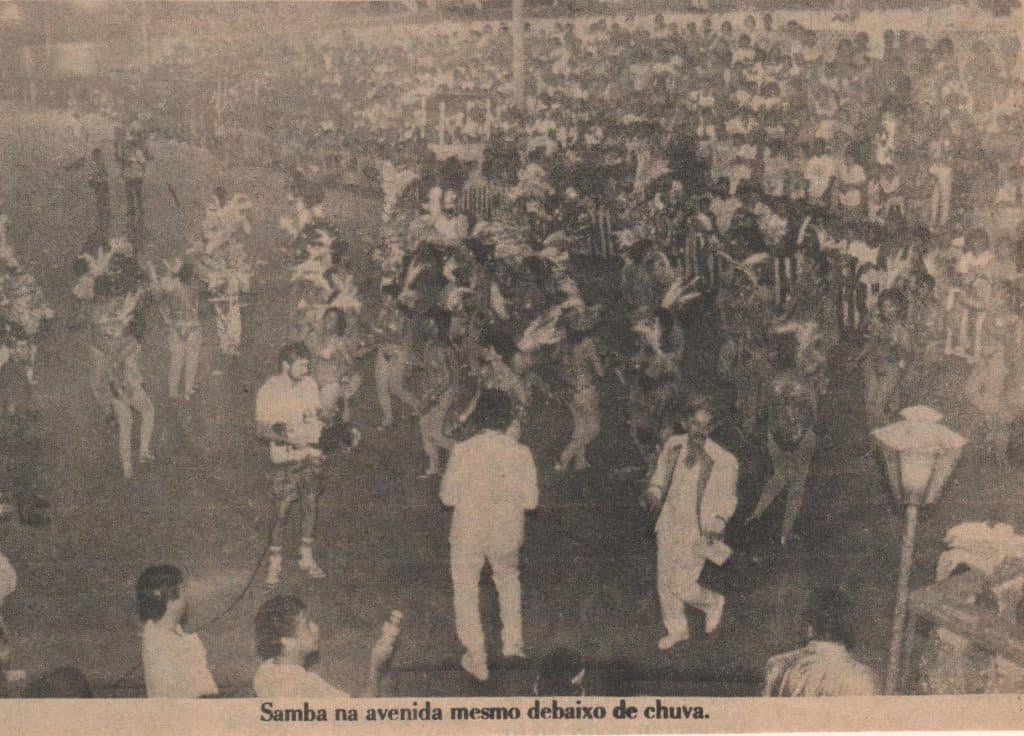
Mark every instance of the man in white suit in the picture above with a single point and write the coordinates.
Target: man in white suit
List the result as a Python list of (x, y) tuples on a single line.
[(694, 487)]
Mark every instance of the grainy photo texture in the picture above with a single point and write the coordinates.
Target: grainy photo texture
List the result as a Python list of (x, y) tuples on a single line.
[(667, 350)]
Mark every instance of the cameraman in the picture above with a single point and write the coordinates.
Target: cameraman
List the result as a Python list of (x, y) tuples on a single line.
[(286, 417)]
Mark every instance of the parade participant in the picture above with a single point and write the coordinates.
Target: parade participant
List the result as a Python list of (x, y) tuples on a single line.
[(452, 226), (173, 662), (334, 371), (975, 269), (438, 394), (941, 172), (179, 306), (693, 493), (825, 666), (392, 329), (22, 302), (745, 231), (441, 223), (222, 262), (117, 379), (652, 380), (701, 249), (287, 408), (993, 386), (490, 482), (583, 367), (20, 446), (791, 443), (495, 371), (885, 357), (287, 639), (133, 169)]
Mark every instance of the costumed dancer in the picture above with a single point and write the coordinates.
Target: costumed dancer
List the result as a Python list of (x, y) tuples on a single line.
[(334, 354), (884, 358), (440, 378), (791, 442), (117, 373), (222, 262), (584, 368), (178, 300), (392, 330), (22, 302)]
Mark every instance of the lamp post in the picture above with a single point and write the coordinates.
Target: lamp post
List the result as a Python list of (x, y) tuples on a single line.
[(919, 455)]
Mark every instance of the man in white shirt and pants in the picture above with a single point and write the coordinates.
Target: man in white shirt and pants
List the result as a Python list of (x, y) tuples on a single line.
[(491, 481), (694, 486)]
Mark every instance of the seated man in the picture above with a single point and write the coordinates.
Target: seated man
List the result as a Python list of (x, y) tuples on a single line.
[(825, 666), (287, 639)]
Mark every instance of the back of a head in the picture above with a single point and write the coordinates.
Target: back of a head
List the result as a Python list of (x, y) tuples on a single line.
[(828, 614), (276, 620), (64, 682), (155, 587), (293, 351), (493, 410), (560, 672)]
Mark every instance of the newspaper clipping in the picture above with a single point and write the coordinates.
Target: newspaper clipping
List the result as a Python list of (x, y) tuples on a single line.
[(511, 366)]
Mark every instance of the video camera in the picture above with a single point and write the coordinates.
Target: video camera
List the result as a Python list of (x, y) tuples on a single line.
[(339, 435)]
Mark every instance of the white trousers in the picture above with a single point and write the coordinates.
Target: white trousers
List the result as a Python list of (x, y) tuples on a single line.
[(467, 561), (184, 360), (680, 562)]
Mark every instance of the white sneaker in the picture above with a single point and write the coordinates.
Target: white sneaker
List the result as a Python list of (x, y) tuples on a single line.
[(670, 640), (714, 617), (476, 666), (308, 565)]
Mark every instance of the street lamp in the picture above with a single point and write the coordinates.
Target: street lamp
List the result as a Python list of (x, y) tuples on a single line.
[(919, 455)]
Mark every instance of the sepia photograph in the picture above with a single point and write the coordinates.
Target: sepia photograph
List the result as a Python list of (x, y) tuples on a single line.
[(596, 354)]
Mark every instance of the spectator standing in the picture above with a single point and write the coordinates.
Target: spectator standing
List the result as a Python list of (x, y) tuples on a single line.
[(490, 482)]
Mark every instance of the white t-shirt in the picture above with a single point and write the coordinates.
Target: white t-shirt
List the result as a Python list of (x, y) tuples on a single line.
[(274, 680), (174, 663), (295, 404)]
